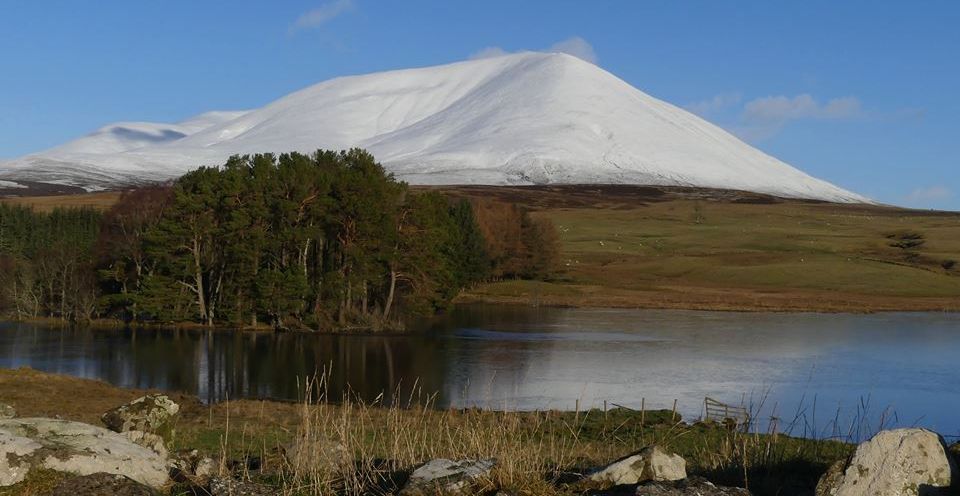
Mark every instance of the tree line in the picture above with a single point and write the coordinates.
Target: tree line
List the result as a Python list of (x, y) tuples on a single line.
[(326, 240)]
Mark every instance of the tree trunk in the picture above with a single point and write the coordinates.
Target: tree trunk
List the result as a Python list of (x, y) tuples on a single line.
[(393, 286), (214, 297), (303, 257), (198, 281), (16, 296), (364, 297)]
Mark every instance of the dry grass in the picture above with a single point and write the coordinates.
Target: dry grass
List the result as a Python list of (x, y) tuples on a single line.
[(357, 448), (701, 249)]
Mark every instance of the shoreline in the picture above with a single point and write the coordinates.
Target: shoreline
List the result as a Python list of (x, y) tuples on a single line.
[(286, 448), (621, 300), (706, 299), (194, 326), (541, 446)]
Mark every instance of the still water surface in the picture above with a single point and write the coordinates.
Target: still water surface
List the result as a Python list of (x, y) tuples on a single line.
[(897, 368)]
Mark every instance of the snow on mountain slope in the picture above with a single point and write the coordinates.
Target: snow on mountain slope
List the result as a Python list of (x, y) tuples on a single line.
[(529, 118)]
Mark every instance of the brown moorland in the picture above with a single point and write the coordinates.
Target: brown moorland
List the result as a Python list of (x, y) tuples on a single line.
[(657, 247)]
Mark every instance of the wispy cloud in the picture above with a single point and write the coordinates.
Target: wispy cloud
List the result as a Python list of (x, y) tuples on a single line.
[(928, 195), (780, 109), (716, 104), (762, 118), (576, 46), (321, 15), (488, 52)]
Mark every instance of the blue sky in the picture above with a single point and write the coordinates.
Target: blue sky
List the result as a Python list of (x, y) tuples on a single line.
[(861, 93)]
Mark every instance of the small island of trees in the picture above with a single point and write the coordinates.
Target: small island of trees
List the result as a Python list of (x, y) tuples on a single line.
[(322, 241)]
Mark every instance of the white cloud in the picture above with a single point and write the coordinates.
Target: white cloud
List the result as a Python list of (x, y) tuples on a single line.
[(762, 118), (930, 194), (713, 105), (779, 109), (488, 52), (321, 15), (576, 46)]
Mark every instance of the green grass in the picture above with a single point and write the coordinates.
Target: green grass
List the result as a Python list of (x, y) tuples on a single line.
[(810, 246), (822, 255)]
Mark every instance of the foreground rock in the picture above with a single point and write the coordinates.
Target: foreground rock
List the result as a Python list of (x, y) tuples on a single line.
[(7, 411), (649, 464), (150, 441), (442, 476), (908, 462), (694, 486), (153, 413), (101, 484), (75, 448), (191, 466)]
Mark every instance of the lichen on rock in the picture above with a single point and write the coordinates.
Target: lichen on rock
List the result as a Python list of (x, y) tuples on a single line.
[(76, 448)]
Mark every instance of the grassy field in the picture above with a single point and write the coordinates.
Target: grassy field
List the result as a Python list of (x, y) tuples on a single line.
[(650, 247), (645, 247), (537, 452)]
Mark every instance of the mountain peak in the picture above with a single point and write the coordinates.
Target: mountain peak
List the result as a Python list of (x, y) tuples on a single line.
[(522, 118)]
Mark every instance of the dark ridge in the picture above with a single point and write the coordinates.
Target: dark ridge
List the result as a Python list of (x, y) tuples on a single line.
[(34, 188)]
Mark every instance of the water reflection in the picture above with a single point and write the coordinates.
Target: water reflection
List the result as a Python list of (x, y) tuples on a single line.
[(525, 358)]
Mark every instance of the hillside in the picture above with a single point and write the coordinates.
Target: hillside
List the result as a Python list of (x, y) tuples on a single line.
[(528, 118), (626, 246)]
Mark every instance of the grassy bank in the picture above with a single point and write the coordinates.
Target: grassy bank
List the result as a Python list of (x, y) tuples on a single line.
[(537, 451)]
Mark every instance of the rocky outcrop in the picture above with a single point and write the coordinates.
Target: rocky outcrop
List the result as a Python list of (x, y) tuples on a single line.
[(154, 413), (191, 466), (7, 411), (447, 477), (75, 448), (649, 464), (150, 441), (14, 451), (900, 462), (832, 478), (101, 484), (694, 486)]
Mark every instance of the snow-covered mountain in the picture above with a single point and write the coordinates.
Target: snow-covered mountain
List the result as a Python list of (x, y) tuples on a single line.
[(528, 118)]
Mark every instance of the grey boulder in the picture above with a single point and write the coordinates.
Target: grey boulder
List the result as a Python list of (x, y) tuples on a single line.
[(652, 463), (899, 462), (154, 413), (447, 477), (74, 448), (694, 486)]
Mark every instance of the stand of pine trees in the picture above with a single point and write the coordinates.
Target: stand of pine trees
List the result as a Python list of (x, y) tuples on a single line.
[(46, 267), (321, 241)]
